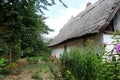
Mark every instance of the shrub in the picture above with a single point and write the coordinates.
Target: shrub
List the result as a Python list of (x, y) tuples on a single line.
[(82, 65), (36, 76), (10, 67), (109, 72), (2, 64), (56, 73), (91, 64), (111, 67), (35, 60), (32, 60)]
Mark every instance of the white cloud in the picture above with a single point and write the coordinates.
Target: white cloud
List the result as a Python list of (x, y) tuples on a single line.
[(58, 22)]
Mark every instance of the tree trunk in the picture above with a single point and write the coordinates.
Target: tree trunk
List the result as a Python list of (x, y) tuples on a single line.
[(10, 54)]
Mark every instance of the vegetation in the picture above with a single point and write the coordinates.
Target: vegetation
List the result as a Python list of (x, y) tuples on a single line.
[(36, 76), (21, 32), (81, 64), (91, 64), (87, 64), (2, 64), (22, 27)]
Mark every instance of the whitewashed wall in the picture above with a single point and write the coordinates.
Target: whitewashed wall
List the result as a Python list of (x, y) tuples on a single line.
[(78, 43), (57, 50), (107, 38), (98, 40)]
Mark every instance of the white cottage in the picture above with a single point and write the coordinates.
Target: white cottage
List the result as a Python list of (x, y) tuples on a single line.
[(97, 22)]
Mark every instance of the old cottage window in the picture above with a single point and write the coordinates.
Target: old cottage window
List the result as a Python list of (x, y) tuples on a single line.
[(116, 21)]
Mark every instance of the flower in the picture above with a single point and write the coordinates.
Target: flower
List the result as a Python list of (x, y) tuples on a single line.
[(53, 55), (117, 47), (105, 44)]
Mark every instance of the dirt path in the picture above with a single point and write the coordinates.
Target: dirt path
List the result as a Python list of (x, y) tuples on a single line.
[(41, 70), (25, 75)]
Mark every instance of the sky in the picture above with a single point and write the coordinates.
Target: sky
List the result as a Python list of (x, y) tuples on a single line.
[(58, 15)]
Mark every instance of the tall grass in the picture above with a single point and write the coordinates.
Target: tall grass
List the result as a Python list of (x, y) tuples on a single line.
[(81, 65)]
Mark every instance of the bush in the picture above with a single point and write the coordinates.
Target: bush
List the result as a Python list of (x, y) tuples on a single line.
[(34, 60), (10, 67), (111, 67), (36, 76), (91, 64), (2, 64), (82, 65), (87, 65), (110, 70), (56, 73)]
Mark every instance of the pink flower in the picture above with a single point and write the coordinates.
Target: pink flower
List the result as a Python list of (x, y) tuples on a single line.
[(105, 44), (53, 55), (117, 47)]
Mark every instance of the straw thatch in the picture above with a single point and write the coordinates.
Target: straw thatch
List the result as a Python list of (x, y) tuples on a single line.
[(93, 19)]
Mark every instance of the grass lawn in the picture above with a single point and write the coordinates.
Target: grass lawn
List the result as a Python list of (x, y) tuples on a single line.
[(39, 70)]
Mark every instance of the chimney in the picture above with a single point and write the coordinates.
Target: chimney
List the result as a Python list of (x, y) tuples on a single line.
[(88, 4)]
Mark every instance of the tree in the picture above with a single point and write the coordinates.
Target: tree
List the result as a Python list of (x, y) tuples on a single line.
[(22, 27)]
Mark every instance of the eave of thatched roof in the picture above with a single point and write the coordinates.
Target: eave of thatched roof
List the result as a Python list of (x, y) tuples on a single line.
[(93, 19)]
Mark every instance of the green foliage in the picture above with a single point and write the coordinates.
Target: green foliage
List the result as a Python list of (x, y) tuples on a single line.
[(37, 76), (55, 72), (82, 65), (111, 68), (88, 64), (22, 27), (10, 67), (116, 37), (109, 72), (2, 64), (33, 60)]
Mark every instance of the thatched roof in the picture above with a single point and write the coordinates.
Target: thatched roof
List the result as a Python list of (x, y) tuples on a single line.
[(93, 19)]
